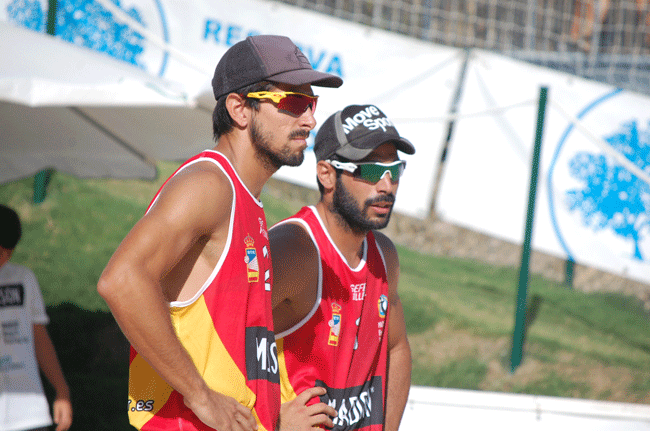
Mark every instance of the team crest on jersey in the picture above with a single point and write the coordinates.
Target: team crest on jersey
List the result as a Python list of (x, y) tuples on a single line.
[(335, 325), (252, 264), (383, 306)]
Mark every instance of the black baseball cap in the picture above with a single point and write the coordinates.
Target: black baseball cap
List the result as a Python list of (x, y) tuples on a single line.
[(355, 132), (266, 58)]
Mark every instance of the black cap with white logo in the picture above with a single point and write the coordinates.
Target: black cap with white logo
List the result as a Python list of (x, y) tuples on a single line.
[(355, 132), (266, 58)]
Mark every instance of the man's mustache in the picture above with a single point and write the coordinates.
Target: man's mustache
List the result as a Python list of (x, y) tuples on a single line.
[(304, 134), (382, 199)]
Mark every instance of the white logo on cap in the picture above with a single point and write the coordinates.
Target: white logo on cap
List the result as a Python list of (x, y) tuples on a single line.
[(365, 118)]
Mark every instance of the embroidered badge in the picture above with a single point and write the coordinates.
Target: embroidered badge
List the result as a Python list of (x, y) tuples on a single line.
[(335, 325), (383, 306), (251, 260)]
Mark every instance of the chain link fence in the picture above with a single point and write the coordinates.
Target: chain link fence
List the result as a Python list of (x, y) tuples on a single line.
[(605, 40)]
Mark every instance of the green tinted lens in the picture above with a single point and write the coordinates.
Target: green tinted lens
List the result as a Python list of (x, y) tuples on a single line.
[(373, 172)]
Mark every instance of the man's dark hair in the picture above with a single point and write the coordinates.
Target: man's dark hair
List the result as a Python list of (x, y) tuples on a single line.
[(221, 121), (10, 230)]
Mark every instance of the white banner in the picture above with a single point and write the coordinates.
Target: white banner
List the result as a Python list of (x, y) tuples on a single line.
[(183, 41), (592, 202), (589, 205), (402, 76)]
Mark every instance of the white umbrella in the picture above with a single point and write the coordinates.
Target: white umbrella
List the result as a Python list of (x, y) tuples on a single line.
[(87, 114)]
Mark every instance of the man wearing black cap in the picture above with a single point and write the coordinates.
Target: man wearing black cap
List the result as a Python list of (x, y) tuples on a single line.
[(337, 313), (190, 285)]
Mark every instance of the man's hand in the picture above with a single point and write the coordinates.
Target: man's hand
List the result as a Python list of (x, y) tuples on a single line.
[(295, 415), (221, 412), (62, 413)]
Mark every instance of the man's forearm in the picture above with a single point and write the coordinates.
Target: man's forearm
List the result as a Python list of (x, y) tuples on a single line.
[(398, 385), (147, 325)]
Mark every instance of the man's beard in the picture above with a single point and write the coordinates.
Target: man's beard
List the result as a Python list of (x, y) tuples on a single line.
[(275, 160), (356, 219)]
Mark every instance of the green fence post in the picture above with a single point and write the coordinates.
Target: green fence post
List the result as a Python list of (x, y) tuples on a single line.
[(568, 272), (41, 180), (51, 17), (520, 312)]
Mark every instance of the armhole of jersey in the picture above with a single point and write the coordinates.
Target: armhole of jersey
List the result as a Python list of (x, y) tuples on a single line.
[(319, 293), (257, 201), (202, 159), (364, 258), (381, 254), (226, 247)]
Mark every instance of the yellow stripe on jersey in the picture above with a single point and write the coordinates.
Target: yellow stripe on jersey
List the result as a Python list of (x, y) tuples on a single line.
[(196, 332), (145, 386), (193, 325), (287, 393)]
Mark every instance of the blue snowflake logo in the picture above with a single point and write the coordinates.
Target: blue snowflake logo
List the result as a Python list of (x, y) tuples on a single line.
[(86, 23), (611, 196), (27, 14)]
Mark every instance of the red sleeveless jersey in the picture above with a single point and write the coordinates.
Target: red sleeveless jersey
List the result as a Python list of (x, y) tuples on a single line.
[(342, 343), (227, 328)]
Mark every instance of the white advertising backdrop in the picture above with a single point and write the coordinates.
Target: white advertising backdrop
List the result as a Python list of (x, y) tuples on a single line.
[(182, 42), (402, 76), (592, 203), (587, 207), (405, 79)]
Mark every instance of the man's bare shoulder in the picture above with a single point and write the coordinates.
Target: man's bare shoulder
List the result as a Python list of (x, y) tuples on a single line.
[(201, 193), (295, 268), (291, 236), (390, 257), (202, 175), (387, 247)]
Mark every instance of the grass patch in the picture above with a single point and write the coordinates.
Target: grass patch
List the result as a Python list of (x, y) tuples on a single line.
[(466, 373), (640, 386), (553, 385), (422, 313)]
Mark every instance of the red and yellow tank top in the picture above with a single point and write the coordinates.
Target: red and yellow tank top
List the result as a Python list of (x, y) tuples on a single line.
[(342, 343), (227, 328)]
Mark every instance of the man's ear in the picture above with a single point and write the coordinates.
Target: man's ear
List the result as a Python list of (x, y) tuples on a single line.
[(239, 111), (326, 174)]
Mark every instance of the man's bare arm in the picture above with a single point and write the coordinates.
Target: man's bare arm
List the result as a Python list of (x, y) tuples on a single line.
[(194, 204), (295, 289), (398, 381), (295, 274)]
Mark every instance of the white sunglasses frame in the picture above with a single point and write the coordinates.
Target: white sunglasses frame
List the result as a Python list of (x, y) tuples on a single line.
[(351, 166)]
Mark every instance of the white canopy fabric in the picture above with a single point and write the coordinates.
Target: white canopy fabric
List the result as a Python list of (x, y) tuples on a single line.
[(87, 114)]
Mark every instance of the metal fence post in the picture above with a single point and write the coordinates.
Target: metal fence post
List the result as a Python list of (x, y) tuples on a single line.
[(520, 312)]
